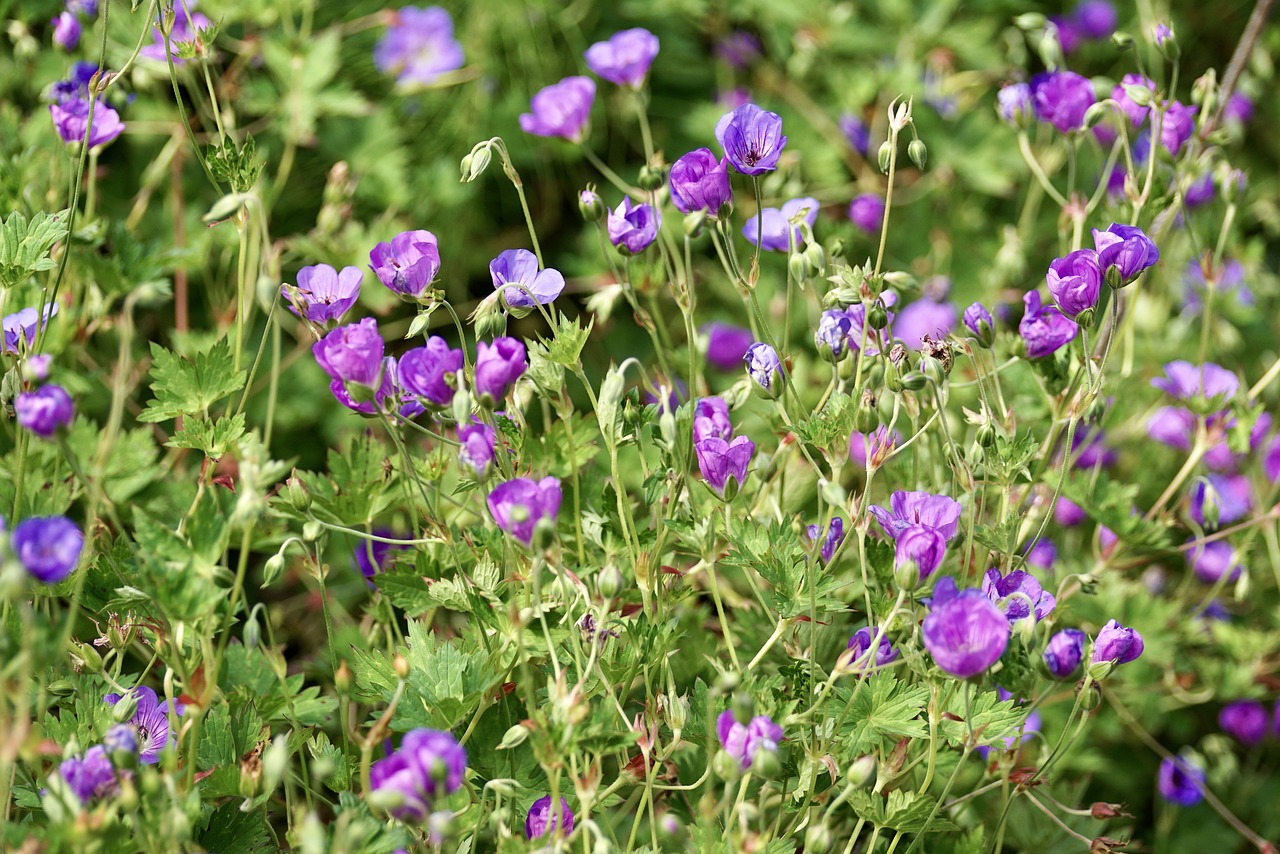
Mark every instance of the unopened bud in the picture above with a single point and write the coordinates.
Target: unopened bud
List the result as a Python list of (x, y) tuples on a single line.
[(590, 205), (837, 248), (743, 707), (1122, 40), (1029, 21), (401, 665), (651, 177), (867, 418), (726, 766), (84, 658), (884, 155), (61, 689), (677, 712), (797, 269), (862, 771), (514, 737), (914, 381), (816, 259), (918, 153), (342, 679), (765, 763), (125, 708), (907, 575), (877, 316), (1114, 278), (818, 839), (273, 569)]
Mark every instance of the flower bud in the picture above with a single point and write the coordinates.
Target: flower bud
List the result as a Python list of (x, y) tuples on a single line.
[(125, 708), (862, 771), (651, 177), (877, 316), (611, 582), (474, 164), (867, 418), (818, 839), (914, 381), (514, 737), (1029, 21), (725, 765), (766, 764), (816, 259), (312, 530), (1090, 694), (273, 569), (401, 665), (837, 248), (744, 707), (590, 205), (84, 658), (61, 689), (884, 155), (693, 223), (1122, 40), (797, 267), (296, 492), (677, 712), (342, 679), (918, 153)]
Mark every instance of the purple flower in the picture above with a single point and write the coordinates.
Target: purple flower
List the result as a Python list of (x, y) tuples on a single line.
[(832, 336), (1271, 460), (370, 556), (1125, 247), (867, 212), (418, 48), (1075, 281), (519, 504), (151, 722), (1136, 113), (520, 266), (711, 418), (1061, 98), (865, 639), (561, 109), (1177, 125), (700, 182), (874, 447), (857, 132), (66, 31), (37, 367), (1013, 102), (1018, 594), (1245, 720), (964, 632), (752, 139), (429, 764), (45, 410), (1064, 652), (325, 293), (633, 227), (88, 8), (919, 508), (121, 737), (1231, 496), (1212, 560), (186, 29), (540, 821), (1172, 426), (498, 366), (20, 328), (1186, 381), (1066, 32), (877, 340), (1199, 193), (408, 264), (921, 547), (1229, 279), (71, 119), (477, 446), (1181, 782), (935, 318), (1043, 554), (980, 322), (1067, 513), (744, 742), (352, 353), (1117, 644), (739, 48), (387, 386), (832, 540), (48, 546), (777, 234), (719, 461), (764, 366), (92, 777), (625, 58), (727, 345), (1089, 449), (1046, 330), (1095, 18), (1239, 108)]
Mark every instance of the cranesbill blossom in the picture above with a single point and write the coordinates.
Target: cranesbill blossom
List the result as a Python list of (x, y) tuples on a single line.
[(151, 722), (1246, 721), (739, 48), (874, 447), (352, 353), (776, 234), (700, 182), (1066, 31), (764, 366), (832, 335), (865, 639), (743, 742), (408, 264), (632, 228), (1075, 281), (980, 322), (519, 504), (876, 340), (1064, 652), (429, 765), (1042, 554), (370, 556), (1061, 98), (1212, 560), (1045, 330), (418, 47), (906, 509), (47, 546), (924, 317), (371, 405), (520, 267), (1133, 111), (920, 547), (1018, 594), (498, 366), (1013, 102), (867, 212), (325, 293), (1180, 781), (542, 822), (752, 139), (1117, 644), (121, 737), (1186, 381), (1095, 18), (1229, 280), (66, 31), (711, 418), (90, 777), (1239, 108), (561, 109), (727, 345), (477, 442), (857, 132), (719, 461), (1067, 513), (834, 537), (430, 372), (964, 632), (45, 410), (70, 114), (625, 58), (1230, 495), (1176, 126), (21, 327), (1126, 248), (186, 29)]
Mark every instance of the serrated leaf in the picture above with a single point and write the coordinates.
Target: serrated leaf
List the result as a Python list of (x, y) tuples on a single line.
[(25, 244), (213, 438), (884, 707), (565, 348), (190, 385)]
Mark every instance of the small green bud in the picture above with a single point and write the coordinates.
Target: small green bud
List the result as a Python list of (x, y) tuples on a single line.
[(867, 418), (726, 766), (877, 316), (1090, 694), (1100, 670), (914, 381), (797, 268), (61, 689), (125, 708), (986, 435), (1122, 40), (818, 839), (1114, 278), (743, 707), (862, 770), (884, 155), (907, 575), (514, 737), (1030, 21), (765, 763), (918, 153), (590, 205), (611, 582), (401, 666), (651, 177), (85, 658), (273, 569), (311, 530), (816, 259), (296, 491)]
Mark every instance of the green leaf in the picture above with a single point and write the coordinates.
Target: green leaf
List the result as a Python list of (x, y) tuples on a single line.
[(229, 829), (902, 810), (25, 245), (189, 386), (886, 707), (993, 720), (213, 438), (565, 348)]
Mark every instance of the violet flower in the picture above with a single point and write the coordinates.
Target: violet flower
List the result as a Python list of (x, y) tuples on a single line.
[(1061, 98), (739, 48), (519, 504), (1064, 653), (1186, 381), (477, 442), (21, 327), (325, 293), (867, 212), (1134, 112), (724, 464), (1019, 595), (1095, 18), (1126, 248), (90, 778), (924, 317), (625, 58), (429, 765), (48, 547), (1067, 513), (498, 366), (832, 336), (744, 742), (370, 556), (907, 509), (865, 639), (1176, 126), (186, 30), (856, 132), (700, 182), (1212, 560), (352, 353), (964, 632), (877, 340), (711, 418), (1075, 282), (430, 372), (831, 541), (541, 821), (632, 228), (1180, 782), (1045, 330), (1231, 498), (752, 139), (408, 264), (777, 234), (980, 322), (418, 47), (727, 345), (561, 109), (765, 367), (1013, 103), (873, 448), (71, 119), (1247, 721), (920, 548), (44, 411), (66, 31), (520, 266), (1116, 644), (151, 722)]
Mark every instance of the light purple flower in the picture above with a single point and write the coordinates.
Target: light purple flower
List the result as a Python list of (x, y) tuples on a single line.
[(1013, 102), (121, 737), (727, 345), (186, 29), (1095, 18), (964, 632), (865, 639), (744, 742), (719, 461), (519, 504), (498, 366), (1177, 125), (1117, 644), (1212, 560), (66, 31), (764, 366), (48, 547), (1061, 98), (541, 821), (711, 418), (874, 446), (387, 386), (151, 722), (739, 48), (1232, 496), (1136, 113), (325, 293), (429, 372), (700, 182), (71, 118), (834, 537), (1229, 280), (520, 266), (1064, 653), (1046, 330), (1125, 247), (1271, 460), (561, 109), (352, 353), (625, 58), (906, 509), (1181, 782), (832, 335), (429, 764), (867, 212), (632, 228), (1075, 281), (752, 139), (980, 322), (1172, 426), (777, 223), (857, 132), (922, 547), (1018, 594), (92, 777), (408, 264), (419, 47), (935, 318), (45, 410), (1186, 381)]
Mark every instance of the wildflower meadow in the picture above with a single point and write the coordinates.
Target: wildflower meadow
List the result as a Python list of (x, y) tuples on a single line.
[(642, 426)]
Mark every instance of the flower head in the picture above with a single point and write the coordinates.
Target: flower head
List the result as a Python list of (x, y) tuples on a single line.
[(832, 335), (186, 30), (727, 345), (47, 546), (1095, 18), (700, 182), (1064, 653), (408, 264), (45, 410), (542, 822), (711, 418), (1075, 281), (561, 109), (1247, 721), (21, 327), (477, 446), (980, 322), (719, 461), (856, 132), (907, 509), (1136, 113), (1180, 781), (1212, 560), (1229, 496), (764, 366), (1126, 248), (90, 777), (66, 31), (150, 722), (520, 267), (744, 742), (773, 225), (625, 58), (1061, 98), (1117, 644), (1013, 102), (864, 640), (832, 540), (1186, 381), (352, 353), (121, 737), (867, 212), (632, 228), (325, 294), (964, 632), (752, 139), (874, 448), (1018, 594), (419, 47), (1177, 125), (429, 764), (71, 120), (498, 366), (518, 505), (924, 317), (1045, 330), (370, 556)]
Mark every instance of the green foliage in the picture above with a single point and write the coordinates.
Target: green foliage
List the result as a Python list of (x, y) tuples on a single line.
[(25, 245), (190, 385)]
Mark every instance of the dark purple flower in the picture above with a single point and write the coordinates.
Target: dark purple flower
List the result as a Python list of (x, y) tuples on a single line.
[(834, 537), (419, 47), (934, 318), (921, 547), (1186, 381), (1181, 782), (121, 737), (744, 742), (429, 764), (408, 264), (498, 366), (352, 353), (711, 418), (20, 328), (1064, 652), (325, 293), (520, 266), (66, 31), (867, 212), (1135, 112), (1018, 594), (739, 48), (1043, 554), (1013, 102), (727, 345), (1067, 513), (1125, 247), (370, 556), (633, 227), (1176, 126), (719, 461), (1095, 18), (752, 139), (45, 410), (1212, 560), (865, 639), (1230, 495), (1089, 449), (764, 366), (700, 182), (919, 508), (519, 504), (1199, 193), (1061, 98), (964, 632), (777, 233), (1075, 281), (92, 777), (832, 336), (1117, 644), (477, 446), (874, 447), (1066, 32), (1046, 330), (186, 29), (151, 722), (625, 58), (980, 322), (561, 109), (1246, 721), (1239, 108), (48, 546), (71, 118), (541, 822), (857, 132)]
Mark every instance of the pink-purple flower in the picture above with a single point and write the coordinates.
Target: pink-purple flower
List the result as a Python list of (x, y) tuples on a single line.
[(831, 540), (44, 411), (408, 264), (429, 765), (430, 372), (867, 212), (498, 366), (724, 464), (980, 322), (625, 57), (1061, 98), (418, 47), (66, 31), (744, 741), (964, 632), (1117, 644), (1019, 594), (477, 442), (151, 722), (326, 294), (542, 821), (921, 548), (632, 228), (1064, 653), (1180, 781), (752, 139), (352, 353), (907, 509), (1045, 330), (520, 267), (1013, 102), (924, 317), (727, 345), (1186, 381), (518, 505), (48, 547), (1075, 281), (1247, 721), (91, 777), (1125, 248), (700, 182), (1212, 560), (186, 29), (764, 366), (561, 109), (711, 418), (21, 327), (863, 641)]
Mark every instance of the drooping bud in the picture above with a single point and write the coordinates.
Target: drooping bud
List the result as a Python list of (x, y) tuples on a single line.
[(867, 418), (884, 155), (918, 153)]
